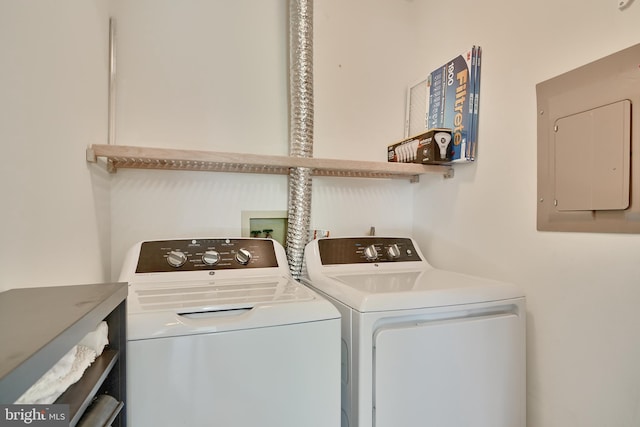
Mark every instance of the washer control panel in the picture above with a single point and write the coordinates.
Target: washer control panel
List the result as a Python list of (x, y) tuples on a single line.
[(356, 250), (205, 254)]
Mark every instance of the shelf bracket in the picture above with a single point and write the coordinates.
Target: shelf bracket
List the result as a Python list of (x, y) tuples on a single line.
[(91, 155), (111, 167)]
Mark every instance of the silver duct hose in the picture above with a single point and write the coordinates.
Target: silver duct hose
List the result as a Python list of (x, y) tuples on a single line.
[(300, 128)]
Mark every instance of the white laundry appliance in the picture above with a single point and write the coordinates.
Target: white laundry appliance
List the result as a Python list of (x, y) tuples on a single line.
[(421, 346), (219, 334)]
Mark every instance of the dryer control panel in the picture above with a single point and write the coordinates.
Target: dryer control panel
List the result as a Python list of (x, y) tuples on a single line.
[(205, 254), (356, 250)]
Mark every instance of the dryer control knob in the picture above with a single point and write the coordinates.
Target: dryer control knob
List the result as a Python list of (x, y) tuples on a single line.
[(176, 259), (211, 257), (371, 253), (243, 256), (393, 251)]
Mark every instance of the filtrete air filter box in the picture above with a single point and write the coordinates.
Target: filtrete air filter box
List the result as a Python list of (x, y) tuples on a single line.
[(431, 147), (449, 98)]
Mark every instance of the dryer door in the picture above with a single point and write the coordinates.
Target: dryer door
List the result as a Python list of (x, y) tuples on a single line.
[(451, 373)]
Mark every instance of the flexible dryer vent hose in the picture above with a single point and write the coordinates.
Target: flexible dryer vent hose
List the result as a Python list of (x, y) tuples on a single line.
[(300, 128)]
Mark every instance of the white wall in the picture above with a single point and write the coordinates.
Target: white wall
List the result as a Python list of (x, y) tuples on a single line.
[(54, 226), (203, 75), (361, 49), (213, 75), (582, 289)]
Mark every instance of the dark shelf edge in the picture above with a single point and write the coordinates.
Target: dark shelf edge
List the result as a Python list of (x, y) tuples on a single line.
[(80, 394)]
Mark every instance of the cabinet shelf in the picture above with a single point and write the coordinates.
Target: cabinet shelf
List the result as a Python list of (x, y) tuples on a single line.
[(38, 326), (120, 156), (80, 394)]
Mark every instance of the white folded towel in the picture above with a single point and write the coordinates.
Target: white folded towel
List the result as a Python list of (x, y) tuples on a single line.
[(68, 370), (97, 339)]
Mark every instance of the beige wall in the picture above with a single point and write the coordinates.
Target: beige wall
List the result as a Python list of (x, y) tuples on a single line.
[(213, 75), (583, 289), (54, 227)]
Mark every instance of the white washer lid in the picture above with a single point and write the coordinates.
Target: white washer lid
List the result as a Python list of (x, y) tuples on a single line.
[(411, 289), (167, 309)]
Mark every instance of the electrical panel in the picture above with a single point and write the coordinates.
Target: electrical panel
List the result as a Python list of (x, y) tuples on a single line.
[(585, 140)]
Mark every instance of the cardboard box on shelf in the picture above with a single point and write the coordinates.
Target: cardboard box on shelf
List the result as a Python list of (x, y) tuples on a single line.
[(431, 147), (449, 98)]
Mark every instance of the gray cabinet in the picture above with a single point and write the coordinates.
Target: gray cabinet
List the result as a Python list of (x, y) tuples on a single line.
[(38, 326)]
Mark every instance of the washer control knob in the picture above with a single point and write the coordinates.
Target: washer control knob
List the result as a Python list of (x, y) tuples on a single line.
[(243, 256), (211, 257), (393, 251), (176, 259), (371, 253)]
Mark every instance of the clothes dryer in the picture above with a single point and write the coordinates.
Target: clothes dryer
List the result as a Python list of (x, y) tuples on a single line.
[(420, 346), (219, 334)]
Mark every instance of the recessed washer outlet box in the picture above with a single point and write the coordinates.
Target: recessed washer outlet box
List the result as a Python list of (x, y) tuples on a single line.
[(270, 224), (586, 123)]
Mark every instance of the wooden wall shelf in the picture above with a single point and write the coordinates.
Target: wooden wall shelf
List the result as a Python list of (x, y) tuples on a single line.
[(120, 156)]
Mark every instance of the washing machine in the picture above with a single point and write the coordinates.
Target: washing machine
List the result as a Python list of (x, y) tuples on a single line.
[(420, 346), (219, 334)]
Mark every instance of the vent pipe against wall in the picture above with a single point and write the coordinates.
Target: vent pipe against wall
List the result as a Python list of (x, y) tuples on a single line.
[(300, 128)]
